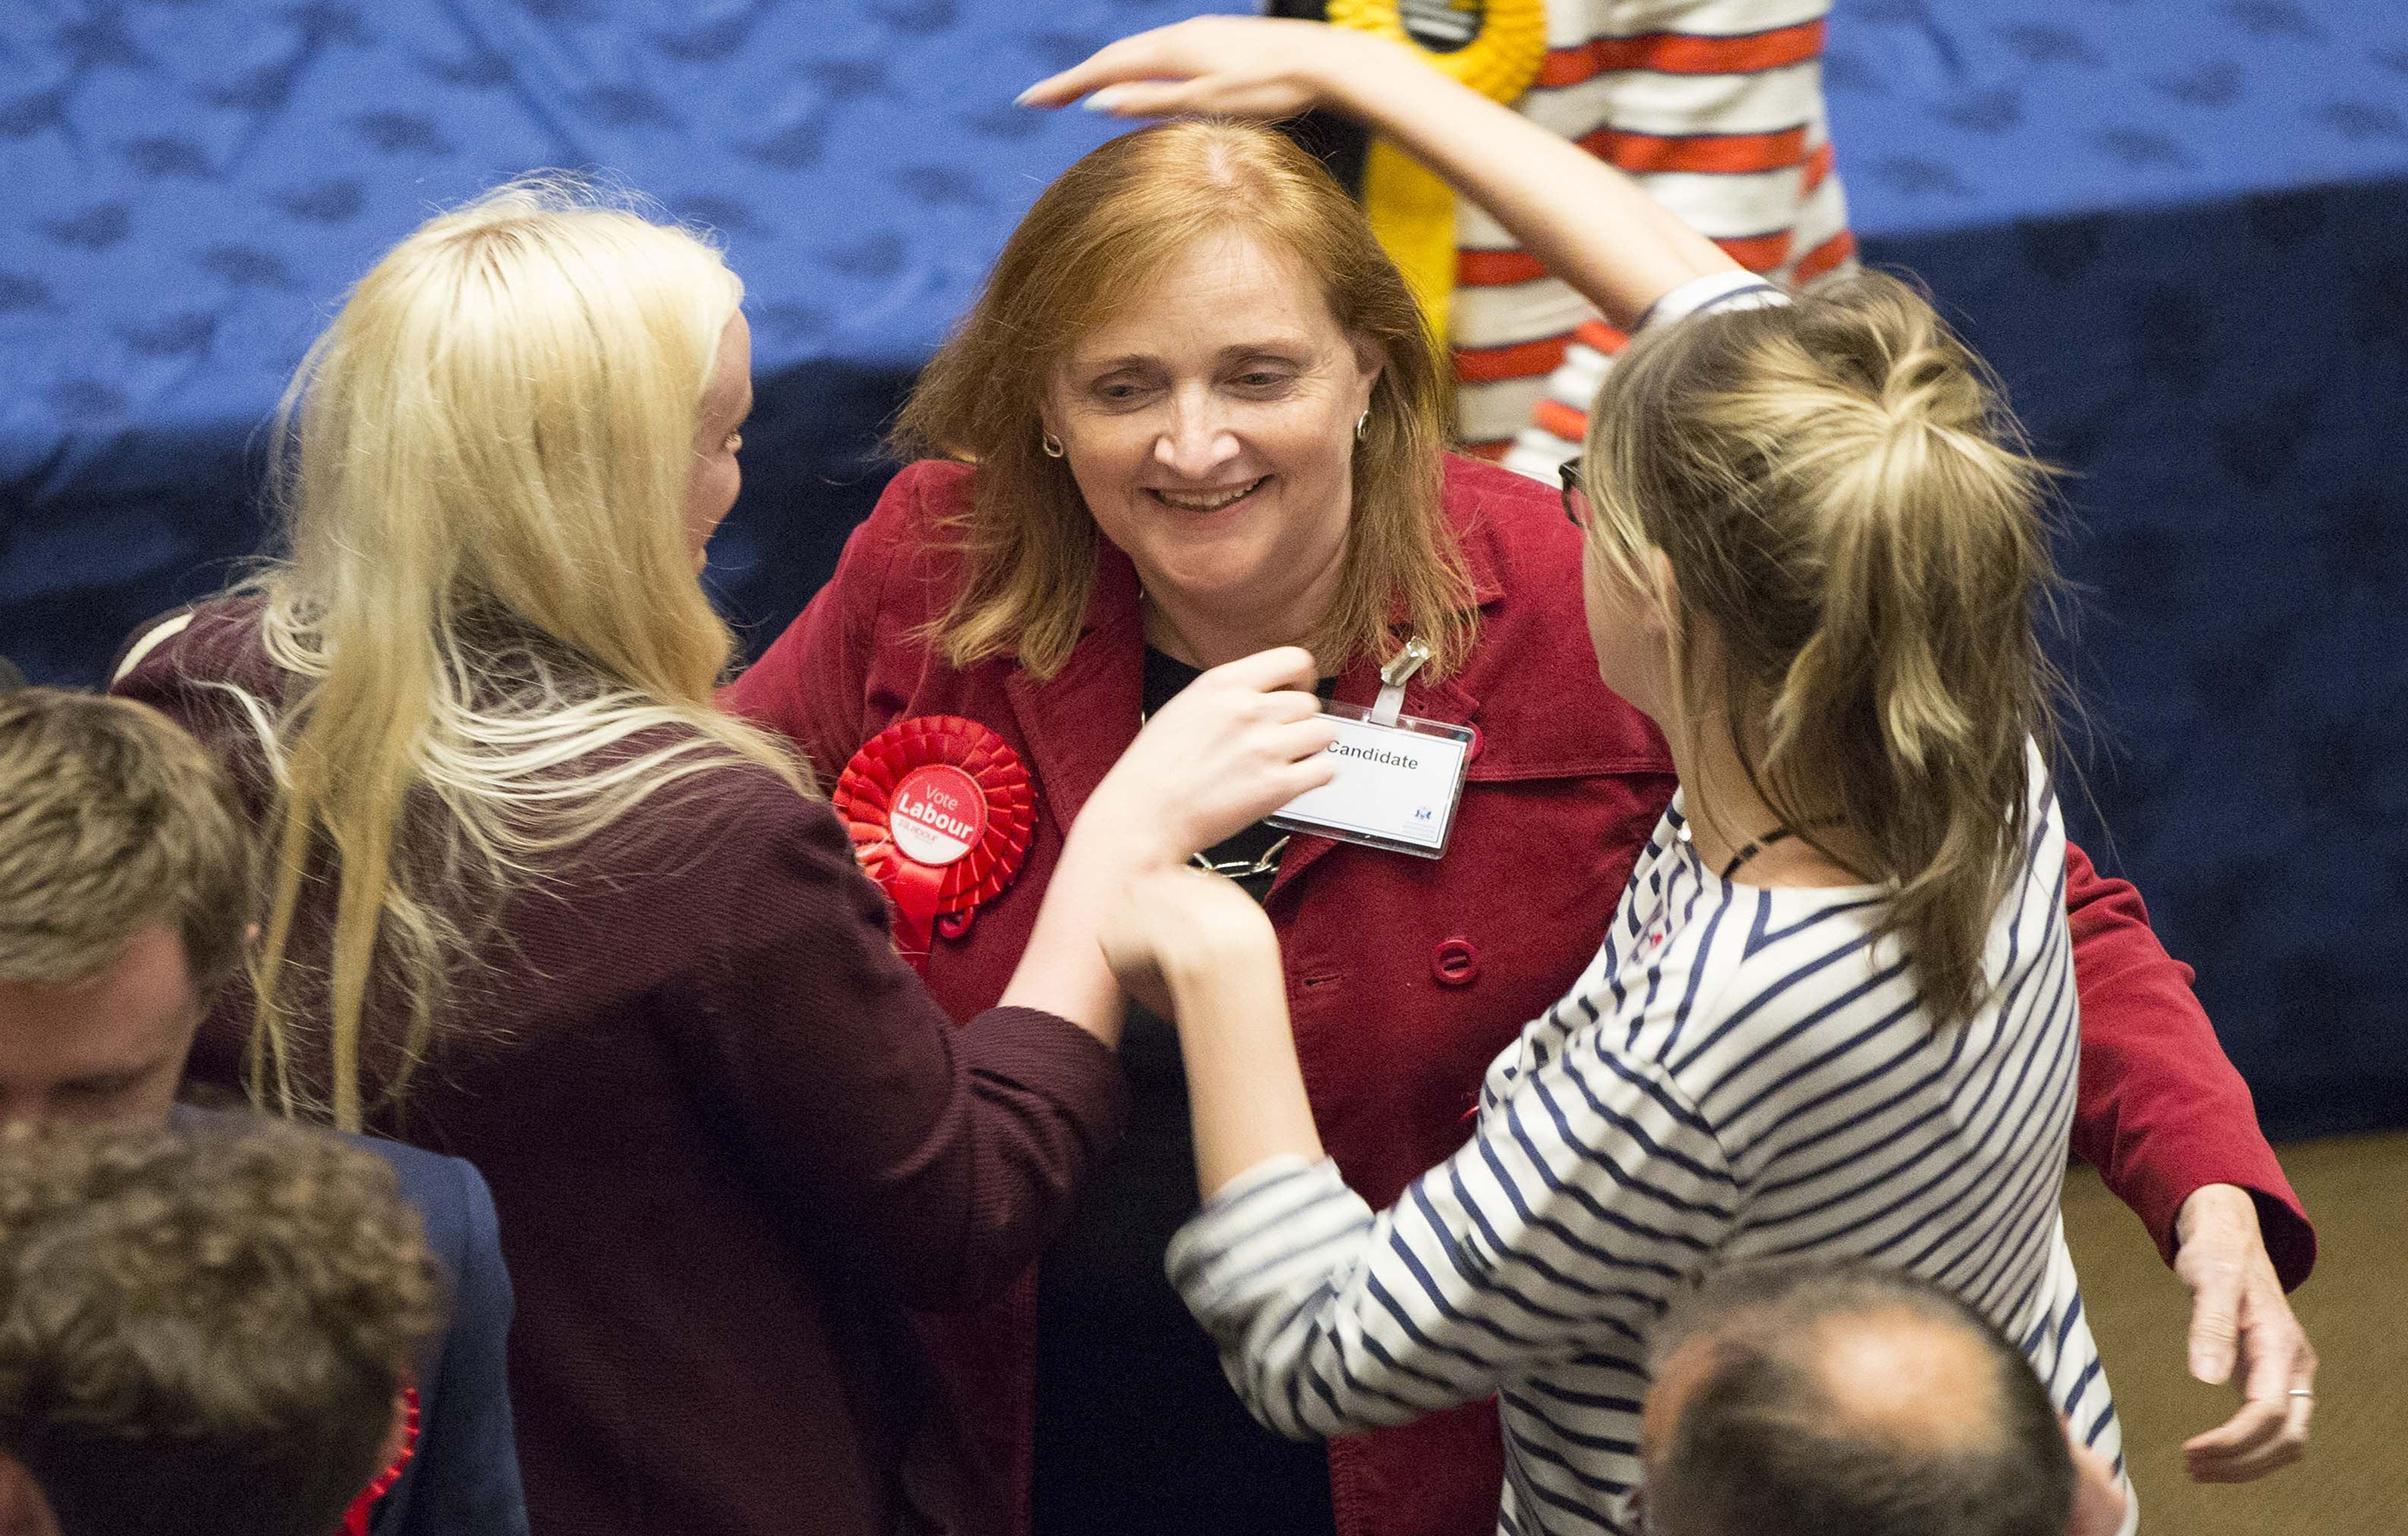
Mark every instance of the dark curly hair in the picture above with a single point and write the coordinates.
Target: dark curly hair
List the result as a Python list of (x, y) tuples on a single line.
[(204, 1331)]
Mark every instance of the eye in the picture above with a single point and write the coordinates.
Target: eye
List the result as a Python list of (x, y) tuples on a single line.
[(1118, 391), (1264, 379)]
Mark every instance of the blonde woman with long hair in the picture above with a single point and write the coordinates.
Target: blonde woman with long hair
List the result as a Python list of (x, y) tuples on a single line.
[(1834, 1012), (530, 898)]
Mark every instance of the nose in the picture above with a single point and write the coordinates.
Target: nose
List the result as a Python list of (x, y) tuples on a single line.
[(1195, 441)]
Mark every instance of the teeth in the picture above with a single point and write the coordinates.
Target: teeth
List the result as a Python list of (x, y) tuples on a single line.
[(1207, 503)]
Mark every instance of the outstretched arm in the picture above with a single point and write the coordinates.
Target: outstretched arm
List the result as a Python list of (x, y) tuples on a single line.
[(1585, 221)]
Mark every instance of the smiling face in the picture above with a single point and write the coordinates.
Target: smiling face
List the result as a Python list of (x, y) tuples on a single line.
[(1210, 425)]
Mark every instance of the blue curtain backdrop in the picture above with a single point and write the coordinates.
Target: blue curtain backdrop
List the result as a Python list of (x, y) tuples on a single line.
[(2179, 228)]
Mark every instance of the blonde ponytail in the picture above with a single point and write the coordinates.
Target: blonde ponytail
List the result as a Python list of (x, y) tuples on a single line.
[(1844, 499)]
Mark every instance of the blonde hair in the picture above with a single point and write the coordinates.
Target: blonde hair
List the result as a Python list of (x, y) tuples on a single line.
[(111, 819), (489, 602), (1093, 241), (1845, 501)]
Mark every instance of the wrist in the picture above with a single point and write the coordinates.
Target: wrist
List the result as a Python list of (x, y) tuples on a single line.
[(2214, 1206), (1110, 845), (1366, 75), (1208, 953)]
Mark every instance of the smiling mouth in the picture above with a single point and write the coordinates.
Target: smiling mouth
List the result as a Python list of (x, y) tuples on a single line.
[(1213, 501)]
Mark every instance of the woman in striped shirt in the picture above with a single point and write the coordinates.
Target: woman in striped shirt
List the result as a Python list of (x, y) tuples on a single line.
[(1833, 1013)]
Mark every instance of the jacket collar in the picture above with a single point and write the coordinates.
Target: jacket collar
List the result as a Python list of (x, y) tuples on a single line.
[(1078, 722)]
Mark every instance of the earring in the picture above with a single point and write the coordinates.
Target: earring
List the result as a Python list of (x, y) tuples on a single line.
[(1051, 444), (1362, 423)]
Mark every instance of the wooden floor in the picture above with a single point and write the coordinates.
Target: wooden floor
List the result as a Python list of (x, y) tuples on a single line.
[(2355, 1307)]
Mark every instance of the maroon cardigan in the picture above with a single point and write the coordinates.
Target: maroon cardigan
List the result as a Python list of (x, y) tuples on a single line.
[(1406, 976), (731, 1138)]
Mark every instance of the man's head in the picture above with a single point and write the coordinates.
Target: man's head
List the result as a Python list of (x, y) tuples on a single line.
[(124, 887), (1845, 1400), (202, 1333)]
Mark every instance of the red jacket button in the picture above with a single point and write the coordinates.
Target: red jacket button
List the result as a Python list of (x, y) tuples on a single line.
[(1455, 963)]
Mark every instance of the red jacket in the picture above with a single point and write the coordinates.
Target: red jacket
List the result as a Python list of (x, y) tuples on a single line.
[(1404, 975)]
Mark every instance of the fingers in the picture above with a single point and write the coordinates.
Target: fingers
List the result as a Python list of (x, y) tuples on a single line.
[(1282, 666), (2098, 1497), (2239, 1441), (1290, 705), (1132, 58), (2270, 1431), (2215, 1322), (1149, 98)]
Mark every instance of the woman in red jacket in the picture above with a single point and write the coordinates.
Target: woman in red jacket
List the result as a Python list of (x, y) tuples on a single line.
[(534, 901), (1195, 412)]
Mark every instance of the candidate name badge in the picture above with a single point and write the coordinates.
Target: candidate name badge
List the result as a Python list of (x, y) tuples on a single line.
[(1397, 784)]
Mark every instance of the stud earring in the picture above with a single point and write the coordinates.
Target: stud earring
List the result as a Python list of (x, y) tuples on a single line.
[(1362, 423), (1051, 444)]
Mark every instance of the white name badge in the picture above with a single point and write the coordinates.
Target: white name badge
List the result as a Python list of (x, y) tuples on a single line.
[(1397, 785)]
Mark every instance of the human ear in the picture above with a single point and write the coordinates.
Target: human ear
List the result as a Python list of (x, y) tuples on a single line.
[(1369, 360), (1665, 588)]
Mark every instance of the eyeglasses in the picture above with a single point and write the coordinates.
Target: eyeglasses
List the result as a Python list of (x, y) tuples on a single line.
[(1576, 499)]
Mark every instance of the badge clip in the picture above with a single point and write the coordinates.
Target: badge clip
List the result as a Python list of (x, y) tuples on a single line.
[(1394, 676)]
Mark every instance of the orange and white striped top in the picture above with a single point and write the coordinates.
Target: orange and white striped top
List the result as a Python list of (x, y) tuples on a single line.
[(1716, 106)]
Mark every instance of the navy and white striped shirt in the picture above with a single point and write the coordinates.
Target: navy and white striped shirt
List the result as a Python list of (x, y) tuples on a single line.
[(1742, 1073)]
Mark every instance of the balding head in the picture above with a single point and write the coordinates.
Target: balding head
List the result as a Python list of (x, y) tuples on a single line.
[(1845, 1401)]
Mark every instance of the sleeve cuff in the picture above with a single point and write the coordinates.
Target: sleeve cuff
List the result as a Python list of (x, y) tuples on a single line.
[(1736, 289), (1048, 1054), (2283, 1224), (1261, 1231)]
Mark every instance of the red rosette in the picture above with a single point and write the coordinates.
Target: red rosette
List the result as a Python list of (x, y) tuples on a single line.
[(941, 810), (356, 1518)]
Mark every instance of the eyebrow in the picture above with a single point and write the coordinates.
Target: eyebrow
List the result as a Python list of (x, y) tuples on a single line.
[(1282, 345)]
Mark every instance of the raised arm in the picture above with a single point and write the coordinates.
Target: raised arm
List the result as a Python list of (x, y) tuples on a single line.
[(1585, 221)]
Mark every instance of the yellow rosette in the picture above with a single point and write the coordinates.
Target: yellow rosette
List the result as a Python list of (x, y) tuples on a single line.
[(1503, 43)]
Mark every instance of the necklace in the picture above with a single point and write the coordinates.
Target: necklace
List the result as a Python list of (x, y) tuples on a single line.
[(1243, 869), (1754, 847), (1261, 864)]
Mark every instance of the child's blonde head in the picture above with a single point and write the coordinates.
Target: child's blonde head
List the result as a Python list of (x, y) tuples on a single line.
[(1857, 543)]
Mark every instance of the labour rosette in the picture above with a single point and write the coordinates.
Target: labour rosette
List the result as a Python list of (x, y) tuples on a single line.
[(940, 809)]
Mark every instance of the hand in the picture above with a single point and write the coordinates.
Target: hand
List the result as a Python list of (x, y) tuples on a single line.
[(1235, 66), (2098, 1497), (1167, 919), (1235, 745), (2241, 1322)]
